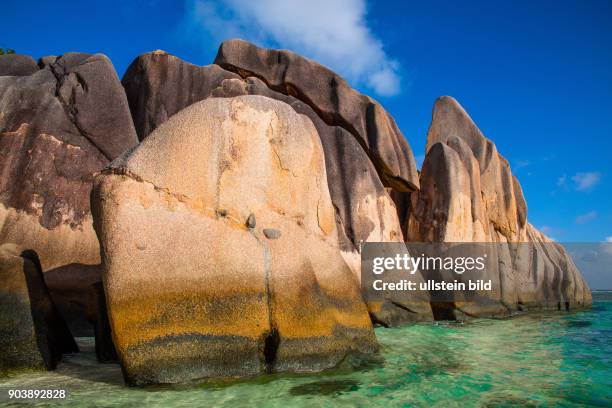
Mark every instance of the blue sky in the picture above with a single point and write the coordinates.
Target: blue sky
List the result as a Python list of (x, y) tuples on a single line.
[(536, 76)]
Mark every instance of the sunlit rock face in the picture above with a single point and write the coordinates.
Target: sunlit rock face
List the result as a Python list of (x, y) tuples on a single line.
[(367, 158), (333, 99), (220, 250), (469, 194), (61, 120)]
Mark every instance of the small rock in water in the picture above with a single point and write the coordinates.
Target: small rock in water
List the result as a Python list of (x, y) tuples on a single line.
[(271, 233), (250, 222)]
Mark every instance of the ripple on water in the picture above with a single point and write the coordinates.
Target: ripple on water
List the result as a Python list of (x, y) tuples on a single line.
[(333, 387)]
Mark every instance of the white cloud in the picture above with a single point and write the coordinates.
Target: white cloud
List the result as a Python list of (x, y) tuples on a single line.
[(586, 181), (519, 164), (608, 239), (562, 181), (332, 32), (584, 218), (546, 229)]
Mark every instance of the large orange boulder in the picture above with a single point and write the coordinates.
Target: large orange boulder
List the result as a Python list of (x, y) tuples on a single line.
[(220, 250)]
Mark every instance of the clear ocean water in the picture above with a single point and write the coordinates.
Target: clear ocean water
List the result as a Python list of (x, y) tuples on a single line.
[(561, 360)]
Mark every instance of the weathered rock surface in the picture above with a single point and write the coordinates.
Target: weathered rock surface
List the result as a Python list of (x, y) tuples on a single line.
[(61, 122), (33, 334), (364, 210), (194, 292), (17, 64), (72, 290), (334, 101), (468, 194), (158, 85)]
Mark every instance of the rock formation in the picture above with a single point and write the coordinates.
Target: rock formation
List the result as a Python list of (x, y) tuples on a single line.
[(364, 210), (231, 235), (17, 65), (247, 276), (335, 102), (363, 158), (33, 335), (468, 194), (61, 122), (158, 85)]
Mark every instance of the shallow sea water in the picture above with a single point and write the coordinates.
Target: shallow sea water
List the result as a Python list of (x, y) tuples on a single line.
[(562, 360)]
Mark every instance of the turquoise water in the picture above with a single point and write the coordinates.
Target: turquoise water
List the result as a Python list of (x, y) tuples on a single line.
[(535, 360)]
